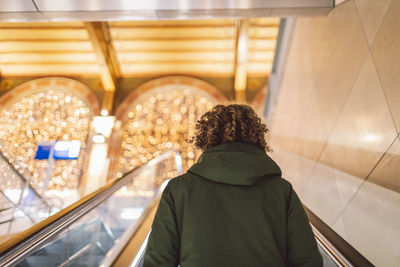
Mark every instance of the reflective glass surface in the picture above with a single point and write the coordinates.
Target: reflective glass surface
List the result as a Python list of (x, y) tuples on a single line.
[(89, 240)]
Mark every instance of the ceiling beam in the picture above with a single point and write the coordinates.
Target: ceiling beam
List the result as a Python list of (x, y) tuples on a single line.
[(99, 35), (241, 51)]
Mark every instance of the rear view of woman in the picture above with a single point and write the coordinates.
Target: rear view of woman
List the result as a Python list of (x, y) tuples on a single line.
[(232, 208)]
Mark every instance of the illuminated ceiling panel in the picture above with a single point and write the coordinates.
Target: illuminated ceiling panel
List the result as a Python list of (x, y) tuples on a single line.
[(203, 48), (142, 48), (39, 49)]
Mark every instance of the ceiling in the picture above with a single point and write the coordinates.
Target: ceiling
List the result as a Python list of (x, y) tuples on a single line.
[(135, 48), (118, 39)]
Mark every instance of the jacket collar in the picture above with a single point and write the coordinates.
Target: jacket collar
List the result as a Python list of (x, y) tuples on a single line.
[(236, 163)]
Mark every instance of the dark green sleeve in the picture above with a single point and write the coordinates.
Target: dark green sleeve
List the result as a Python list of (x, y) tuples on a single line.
[(302, 247), (163, 246)]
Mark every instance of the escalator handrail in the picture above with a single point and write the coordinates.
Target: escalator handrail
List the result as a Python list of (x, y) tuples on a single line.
[(339, 249), (131, 231), (39, 233)]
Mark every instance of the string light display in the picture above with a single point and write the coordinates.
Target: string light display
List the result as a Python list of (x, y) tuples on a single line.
[(159, 120), (45, 116), (9, 183)]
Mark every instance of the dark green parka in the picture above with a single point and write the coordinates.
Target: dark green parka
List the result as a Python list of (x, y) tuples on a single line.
[(232, 208)]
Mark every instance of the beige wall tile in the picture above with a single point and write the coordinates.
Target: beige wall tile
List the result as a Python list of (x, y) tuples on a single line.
[(372, 13), (387, 173), (371, 223), (386, 53), (312, 134), (312, 36), (329, 191), (364, 129), (333, 87), (339, 228), (296, 85), (281, 141), (295, 169), (344, 57), (309, 42)]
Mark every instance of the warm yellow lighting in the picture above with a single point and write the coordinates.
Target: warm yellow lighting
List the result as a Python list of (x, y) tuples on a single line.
[(45, 69), (98, 139), (103, 125), (44, 116), (240, 78), (97, 169), (371, 138), (162, 120), (241, 61), (104, 112)]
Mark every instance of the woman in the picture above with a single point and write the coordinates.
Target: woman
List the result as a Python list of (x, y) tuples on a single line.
[(232, 208)]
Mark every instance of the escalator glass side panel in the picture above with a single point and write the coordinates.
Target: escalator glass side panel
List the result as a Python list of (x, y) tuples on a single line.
[(98, 233), (21, 206)]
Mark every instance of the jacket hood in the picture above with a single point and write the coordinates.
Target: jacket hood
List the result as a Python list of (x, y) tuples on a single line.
[(235, 163)]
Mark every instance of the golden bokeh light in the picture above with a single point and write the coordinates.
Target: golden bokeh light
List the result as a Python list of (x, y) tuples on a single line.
[(159, 120), (45, 116)]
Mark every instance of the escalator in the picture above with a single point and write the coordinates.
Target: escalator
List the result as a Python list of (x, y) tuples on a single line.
[(110, 227), (21, 205)]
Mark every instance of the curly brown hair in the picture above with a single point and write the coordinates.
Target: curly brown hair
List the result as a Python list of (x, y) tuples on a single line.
[(235, 122)]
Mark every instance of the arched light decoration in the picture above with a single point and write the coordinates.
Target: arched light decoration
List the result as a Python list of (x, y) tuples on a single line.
[(161, 115), (46, 110)]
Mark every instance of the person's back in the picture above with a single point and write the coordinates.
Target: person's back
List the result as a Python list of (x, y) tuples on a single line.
[(232, 208)]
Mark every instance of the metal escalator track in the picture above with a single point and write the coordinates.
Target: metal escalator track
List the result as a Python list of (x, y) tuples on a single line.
[(334, 249), (93, 231)]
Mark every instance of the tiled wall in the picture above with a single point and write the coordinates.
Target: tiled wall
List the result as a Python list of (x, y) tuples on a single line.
[(335, 127)]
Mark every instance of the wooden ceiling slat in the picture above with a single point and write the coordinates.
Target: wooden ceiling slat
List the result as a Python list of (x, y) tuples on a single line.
[(30, 25), (262, 44), (261, 50), (176, 61), (260, 61), (40, 34), (175, 55), (49, 69), (47, 57), (144, 48), (173, 33), (161, 50), (15, 46), (264, 21), (188, 38), (175, 45), (253, 68), (263, 32), (164, 23), (265, 55), (259, 68), (177, 68)]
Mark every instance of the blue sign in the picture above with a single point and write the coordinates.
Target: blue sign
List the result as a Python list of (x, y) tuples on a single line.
[(43, 151), (67, 149), (61, 150)]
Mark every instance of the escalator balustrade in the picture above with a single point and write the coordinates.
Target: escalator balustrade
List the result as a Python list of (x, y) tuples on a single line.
[(110, 227)]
